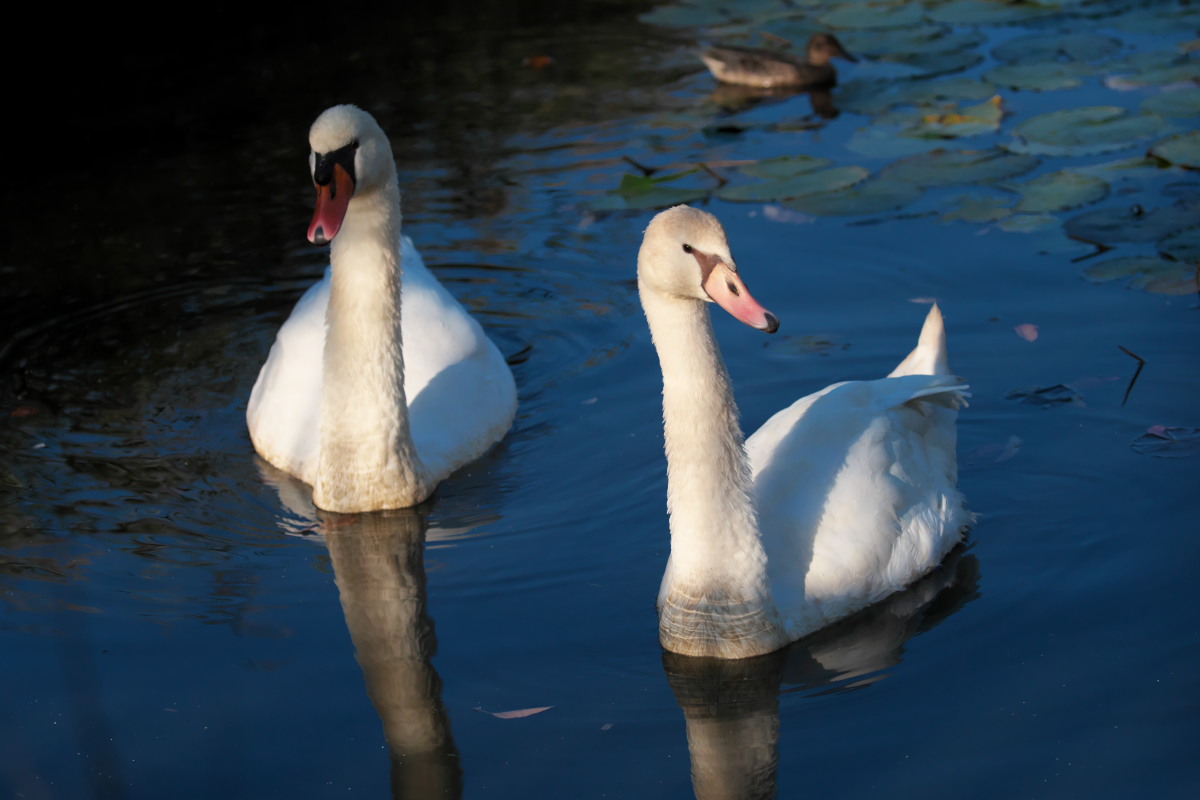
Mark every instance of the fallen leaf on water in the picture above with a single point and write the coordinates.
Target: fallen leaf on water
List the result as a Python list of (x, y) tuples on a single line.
[(1027, 331), (781, 214), (1046, 396), (539, 62), (1164, 442), (517, 714), (23, 411)]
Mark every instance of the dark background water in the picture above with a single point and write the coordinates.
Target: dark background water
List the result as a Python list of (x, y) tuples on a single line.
[(177, 621)]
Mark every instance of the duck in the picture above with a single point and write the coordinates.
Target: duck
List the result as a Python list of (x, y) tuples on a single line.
[(379, 384), (839, 500), (750, 66)]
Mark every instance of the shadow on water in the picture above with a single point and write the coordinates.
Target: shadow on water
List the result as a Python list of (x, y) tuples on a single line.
[(731, 708)]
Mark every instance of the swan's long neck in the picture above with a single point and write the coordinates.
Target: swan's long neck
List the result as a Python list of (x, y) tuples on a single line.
[(714, 594), (367, 459)]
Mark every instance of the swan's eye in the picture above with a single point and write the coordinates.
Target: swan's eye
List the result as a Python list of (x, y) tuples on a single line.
[(733, 290), (354, 144), (687, 248)]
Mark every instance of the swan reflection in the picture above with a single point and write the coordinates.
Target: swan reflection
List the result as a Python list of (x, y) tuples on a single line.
[(731, 707)]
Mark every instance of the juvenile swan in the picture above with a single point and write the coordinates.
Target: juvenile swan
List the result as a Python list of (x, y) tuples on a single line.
[(370, 394), (837, 501)]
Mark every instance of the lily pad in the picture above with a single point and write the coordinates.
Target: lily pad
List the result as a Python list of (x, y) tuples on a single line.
[(974, 208), (1085, 131), (872, 197), (989, 12), (784, 166), (931, 64), (895, 43), (959, 167), (1154, 68), (1028, 223), (1060, 191), (1133, 224), (1046, 396), (1151, 273), (823, 181), (1165, 442), (1181, 151), (641, 192), (872, 15), (1055, 48), (871, 97), (1177, 103), (1041, 77), (1183, 245)]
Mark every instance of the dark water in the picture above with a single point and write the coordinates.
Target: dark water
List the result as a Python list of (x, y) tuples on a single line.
[(178, 622)]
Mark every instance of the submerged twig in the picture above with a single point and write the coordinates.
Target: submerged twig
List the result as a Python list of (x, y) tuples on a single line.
[(1141, 363), (647, 171), (721, 180)]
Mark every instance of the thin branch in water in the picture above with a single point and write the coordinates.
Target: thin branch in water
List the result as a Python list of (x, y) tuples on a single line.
[(647, 171), (1141, 363), (721, 180)]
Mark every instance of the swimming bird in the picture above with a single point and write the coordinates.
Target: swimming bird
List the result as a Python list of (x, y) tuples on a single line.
[(749, 66), (379, 384), (837, 501)]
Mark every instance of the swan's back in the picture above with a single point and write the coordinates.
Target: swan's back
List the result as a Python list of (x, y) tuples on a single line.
[(856, 488)]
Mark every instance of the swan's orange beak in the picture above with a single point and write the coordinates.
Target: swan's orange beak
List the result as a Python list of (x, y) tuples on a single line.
[(332, 201), (726, 289)]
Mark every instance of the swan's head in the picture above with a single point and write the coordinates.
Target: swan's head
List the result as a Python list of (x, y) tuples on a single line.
[(350, 156), (685, 254)]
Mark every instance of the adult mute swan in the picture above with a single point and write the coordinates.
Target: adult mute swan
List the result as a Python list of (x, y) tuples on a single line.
[(837, 501), (371, 394)]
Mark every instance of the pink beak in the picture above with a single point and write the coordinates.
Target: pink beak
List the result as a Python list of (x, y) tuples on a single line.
[(332, 201), (726, 289)]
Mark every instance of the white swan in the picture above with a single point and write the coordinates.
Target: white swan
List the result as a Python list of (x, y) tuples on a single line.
[(837, 501), (372, 395)]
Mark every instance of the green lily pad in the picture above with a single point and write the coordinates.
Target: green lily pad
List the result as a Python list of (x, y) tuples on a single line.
[(1084, 131), (823, 181), (894, 43), (932, 64), (1178, 103), (690, 15), (1112, 225), (1181, 151), (1055, 48), (1041, 77), (872, 197), (1028, 223), (980, 209), (871, 97), (959, 167), (1060, 191), (1150, 273), (1182, 245), (1150, 18), (784, 166), (872, 15), (642, 192), (989, 12)]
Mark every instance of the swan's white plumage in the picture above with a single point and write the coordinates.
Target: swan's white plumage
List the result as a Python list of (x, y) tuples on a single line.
[(458, 391), (849, 494)]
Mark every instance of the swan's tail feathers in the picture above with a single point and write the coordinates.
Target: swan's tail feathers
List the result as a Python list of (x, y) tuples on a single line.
[(948, 391), (929, 356)]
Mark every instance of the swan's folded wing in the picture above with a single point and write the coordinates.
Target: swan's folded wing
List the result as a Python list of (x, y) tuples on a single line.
[(856, 493)]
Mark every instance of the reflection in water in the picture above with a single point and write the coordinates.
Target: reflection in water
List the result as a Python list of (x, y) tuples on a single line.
[(731, 708), (378, 563), (734, 99)]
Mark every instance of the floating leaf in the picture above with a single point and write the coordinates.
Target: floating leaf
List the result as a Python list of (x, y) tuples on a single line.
[(1027, 331), (518, 714), (958, 167), (946, 122), (872, 97), (1040, 77), (872, 197), (1154, 68), (1150, 273), (1084, 131), (1181, 151), (872, 15), (1110, 225), (1165, 442), (973, 208), (896, 43), (823, 181), (931, 64), (1175, 103), (1027, 223), (640, 192), (1183, 245), (784, 167), (994, 453), (1047, 396), (1060, 191), (985, 12), (1040, 48)]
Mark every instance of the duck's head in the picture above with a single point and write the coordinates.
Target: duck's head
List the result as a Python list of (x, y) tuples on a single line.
[(823, 47), (350, 156), (685, 254)]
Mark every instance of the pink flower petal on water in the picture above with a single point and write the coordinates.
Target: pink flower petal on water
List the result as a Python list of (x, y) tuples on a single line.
[(1027, 331), (517, 714)]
